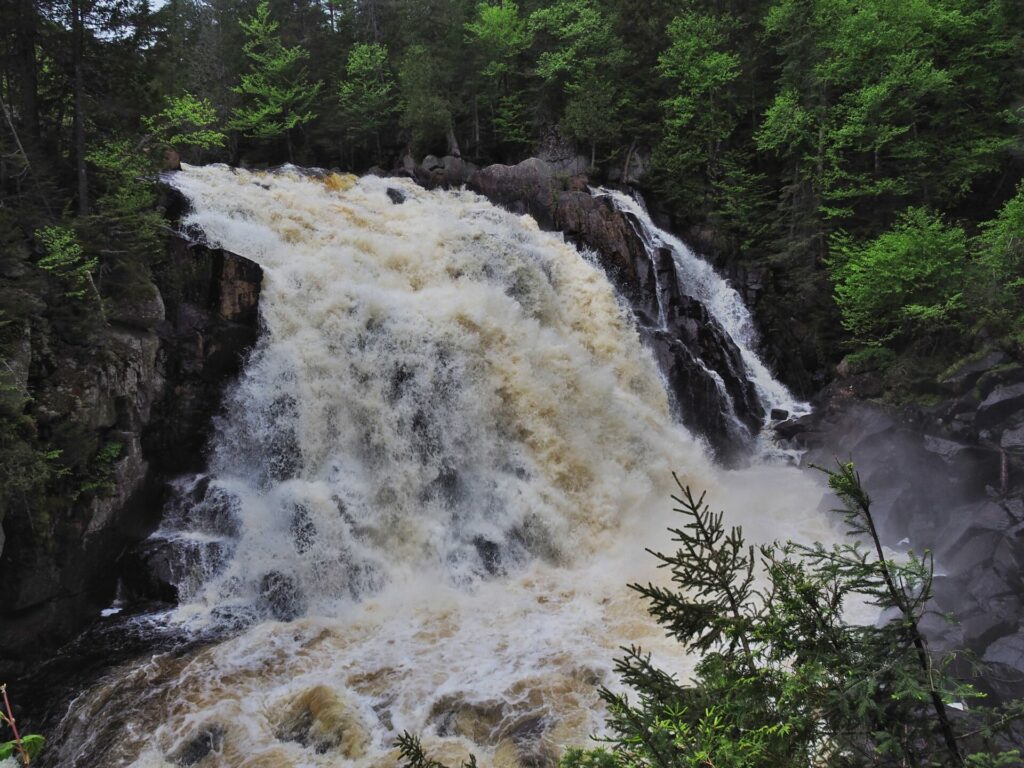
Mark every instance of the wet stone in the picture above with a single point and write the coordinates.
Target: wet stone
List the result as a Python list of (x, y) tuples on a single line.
[(207, 742), (280, 596), (396, 196)]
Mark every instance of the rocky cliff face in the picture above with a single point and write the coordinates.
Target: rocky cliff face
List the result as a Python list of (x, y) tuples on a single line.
[(947, 477), (691, 348), (146, 397)]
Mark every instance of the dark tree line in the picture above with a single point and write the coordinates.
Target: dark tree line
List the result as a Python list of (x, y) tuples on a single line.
[(868, 151)]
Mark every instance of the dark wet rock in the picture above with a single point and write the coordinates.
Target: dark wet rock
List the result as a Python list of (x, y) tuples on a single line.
[(207, 742), (1007, 651), (963, 378), (396, 196), (280, 596), (1003, 401), (938, 484), (490, 553), (151, 387), (779, 414), (167, 568), (302, 529), (1013, 439)]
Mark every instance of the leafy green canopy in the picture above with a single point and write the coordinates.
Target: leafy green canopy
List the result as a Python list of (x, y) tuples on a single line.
[(63, 257), (186, 121), (906, 281), (584, 59)]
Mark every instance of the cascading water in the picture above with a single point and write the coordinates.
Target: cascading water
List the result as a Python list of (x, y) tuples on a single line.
[(427, 493), (699, 280)]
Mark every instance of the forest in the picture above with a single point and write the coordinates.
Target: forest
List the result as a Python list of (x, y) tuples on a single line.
[(868, 154)]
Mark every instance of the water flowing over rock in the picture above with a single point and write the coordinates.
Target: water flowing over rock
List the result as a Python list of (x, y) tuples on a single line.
[(165, 357), (429, 487), (697, 325)]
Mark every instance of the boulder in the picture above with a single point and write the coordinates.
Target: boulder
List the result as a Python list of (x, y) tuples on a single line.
[(1003, 401), (964, 377), (1013, 439)]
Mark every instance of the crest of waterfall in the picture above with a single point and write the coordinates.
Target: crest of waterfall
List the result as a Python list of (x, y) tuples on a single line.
[(425, 496)]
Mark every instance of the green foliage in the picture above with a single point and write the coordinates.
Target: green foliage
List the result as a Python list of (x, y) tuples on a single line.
[(998, 288), (584, 61), (785, 678), (575, 757), (277, 93), (907, 280), (501, 35), (125, 218), (425, 112), (25, 467), (98, 480), (24, 748), (412, 755), (869, 359), (365, 99), (881, 101), (32, 744), (186, 121), (64, 258), (699, 115)]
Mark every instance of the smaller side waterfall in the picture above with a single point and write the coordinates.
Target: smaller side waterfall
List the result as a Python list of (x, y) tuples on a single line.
[(692, 277)]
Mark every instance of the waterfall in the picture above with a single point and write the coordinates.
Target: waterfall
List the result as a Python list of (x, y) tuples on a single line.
[(425, 496), (699, 280)]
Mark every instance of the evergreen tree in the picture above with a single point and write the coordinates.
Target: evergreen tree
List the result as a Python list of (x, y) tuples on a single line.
[(581, 64), (786, 679), (365, 98), (699, 116), (499, 36), (908, 280), (426, 113), (277, 93)]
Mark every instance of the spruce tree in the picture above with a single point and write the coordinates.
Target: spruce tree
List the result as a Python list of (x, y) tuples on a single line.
[(276, 91)]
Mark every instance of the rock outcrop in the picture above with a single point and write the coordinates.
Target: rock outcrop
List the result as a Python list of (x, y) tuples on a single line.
[(946, 477), (147, 397)]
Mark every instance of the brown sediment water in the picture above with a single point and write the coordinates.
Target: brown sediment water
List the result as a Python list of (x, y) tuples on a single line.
[(428, 491)]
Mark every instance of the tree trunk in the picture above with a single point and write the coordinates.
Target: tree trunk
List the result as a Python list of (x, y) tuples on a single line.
[(629, 159), (476, 126), (77, 53), (453, 143), (25, 66)]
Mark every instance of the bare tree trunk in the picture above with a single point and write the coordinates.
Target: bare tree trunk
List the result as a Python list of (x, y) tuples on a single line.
[(453, 143), (476, 125), (77, 43), (629, 159), (21, 150), (25, 53)]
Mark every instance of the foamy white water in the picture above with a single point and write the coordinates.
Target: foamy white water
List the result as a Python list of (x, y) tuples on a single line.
[(444, 460)]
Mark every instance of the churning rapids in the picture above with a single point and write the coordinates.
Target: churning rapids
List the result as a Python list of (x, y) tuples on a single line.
[(428, 491)]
